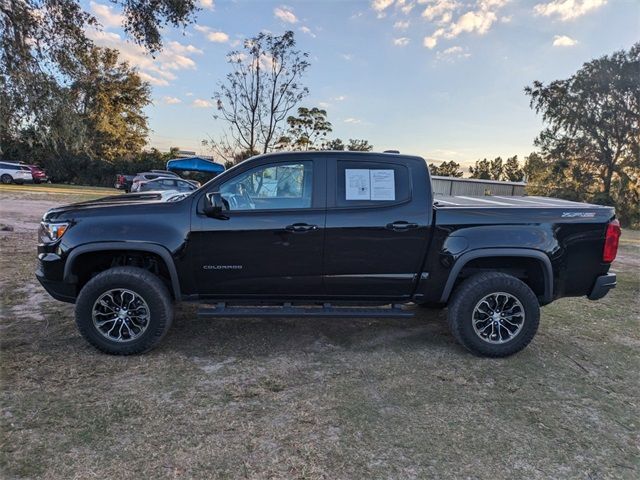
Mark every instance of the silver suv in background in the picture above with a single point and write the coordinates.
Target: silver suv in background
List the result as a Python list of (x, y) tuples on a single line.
[(14, 173)]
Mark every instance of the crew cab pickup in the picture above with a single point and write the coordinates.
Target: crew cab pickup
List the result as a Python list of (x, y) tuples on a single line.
[(341, 234)]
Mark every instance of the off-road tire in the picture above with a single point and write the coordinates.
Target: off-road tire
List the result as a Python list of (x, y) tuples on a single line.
[(475, 288), (6, 179), (145, 284)]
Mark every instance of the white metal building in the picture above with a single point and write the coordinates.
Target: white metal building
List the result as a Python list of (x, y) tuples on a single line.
[(475, 187)]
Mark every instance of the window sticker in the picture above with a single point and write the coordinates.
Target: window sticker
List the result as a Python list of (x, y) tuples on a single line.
[(383, 185), (357, 184)]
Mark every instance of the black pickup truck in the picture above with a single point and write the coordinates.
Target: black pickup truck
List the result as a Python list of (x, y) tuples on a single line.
[(324, 234)]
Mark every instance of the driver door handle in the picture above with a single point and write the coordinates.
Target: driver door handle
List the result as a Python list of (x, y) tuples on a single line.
[(401, 226), (300, 227)]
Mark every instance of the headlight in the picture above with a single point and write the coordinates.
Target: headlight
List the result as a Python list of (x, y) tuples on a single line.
[(55, 231)]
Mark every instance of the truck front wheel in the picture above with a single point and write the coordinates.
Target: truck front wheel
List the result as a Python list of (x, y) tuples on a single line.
[(494, 314), (124, 311)]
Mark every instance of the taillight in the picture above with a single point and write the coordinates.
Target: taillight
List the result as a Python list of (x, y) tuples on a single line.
[(611, 241)]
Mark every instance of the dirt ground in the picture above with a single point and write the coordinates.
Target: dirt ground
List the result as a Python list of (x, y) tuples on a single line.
[(313, 398)]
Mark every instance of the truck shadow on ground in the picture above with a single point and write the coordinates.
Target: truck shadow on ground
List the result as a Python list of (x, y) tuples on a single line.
[(251, 337)]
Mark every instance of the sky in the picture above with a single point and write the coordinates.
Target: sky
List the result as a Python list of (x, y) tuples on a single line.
[(443, 79)]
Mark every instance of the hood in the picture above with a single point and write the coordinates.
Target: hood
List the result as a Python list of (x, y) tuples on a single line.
[(118, 201)]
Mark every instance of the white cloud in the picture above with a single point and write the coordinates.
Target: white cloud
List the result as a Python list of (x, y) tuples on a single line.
[(213, 35), (183, 49), (352, 120), (563, 41), (479, 21), (175, 56), (340, 98), (401, 25), (171, 100), (432, 40), (200, 103), (285, 14), (406, 7), (153, 80), (380, 5), (347, 56), (440, 10), (307, 30), (452, 53), (207, 4), (106, 15), (567, 9), (401, 42), (324, 104), (478, 18)]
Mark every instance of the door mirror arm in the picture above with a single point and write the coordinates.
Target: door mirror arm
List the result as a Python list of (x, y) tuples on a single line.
[(215, 206)]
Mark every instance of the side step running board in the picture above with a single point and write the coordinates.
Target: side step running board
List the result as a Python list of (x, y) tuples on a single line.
[(288, 310)]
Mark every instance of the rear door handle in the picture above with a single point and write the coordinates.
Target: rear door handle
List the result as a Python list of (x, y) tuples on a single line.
[(300, 227), (401, 226)]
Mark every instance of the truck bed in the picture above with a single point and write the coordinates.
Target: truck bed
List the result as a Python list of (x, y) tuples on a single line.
[(493, 201)]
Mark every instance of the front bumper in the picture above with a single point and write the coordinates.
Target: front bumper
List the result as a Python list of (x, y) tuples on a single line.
[(602, 286), (49, 273)]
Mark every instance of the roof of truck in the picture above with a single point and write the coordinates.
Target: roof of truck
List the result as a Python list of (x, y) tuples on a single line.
[(496, 201)]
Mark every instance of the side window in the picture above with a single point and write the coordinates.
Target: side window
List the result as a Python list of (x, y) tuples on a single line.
[(362, 184), (277, 186)]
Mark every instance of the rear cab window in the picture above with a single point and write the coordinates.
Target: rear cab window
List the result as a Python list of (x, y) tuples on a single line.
[(368, 184)]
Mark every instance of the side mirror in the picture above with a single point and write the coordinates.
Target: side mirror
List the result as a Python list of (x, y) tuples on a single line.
[(214, 205)]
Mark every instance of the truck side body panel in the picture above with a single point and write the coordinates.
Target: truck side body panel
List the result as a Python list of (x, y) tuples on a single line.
[(573, 244)]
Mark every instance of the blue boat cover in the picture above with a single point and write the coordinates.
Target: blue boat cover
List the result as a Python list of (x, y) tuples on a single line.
[(194, 164)]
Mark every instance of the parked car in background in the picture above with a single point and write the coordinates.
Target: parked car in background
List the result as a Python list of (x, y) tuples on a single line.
[(15, 173), (165, 173), (166, 183), (38, 174), (124, 182), (150, 175)]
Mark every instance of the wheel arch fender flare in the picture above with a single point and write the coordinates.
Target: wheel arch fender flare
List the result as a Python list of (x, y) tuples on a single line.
[(156, 249), (501, 252)]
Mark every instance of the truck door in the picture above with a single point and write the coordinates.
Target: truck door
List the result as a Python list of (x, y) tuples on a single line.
[(377, 227), (271, 242)]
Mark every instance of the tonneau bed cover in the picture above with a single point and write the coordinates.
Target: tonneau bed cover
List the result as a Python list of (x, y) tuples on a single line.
[(495, 201)]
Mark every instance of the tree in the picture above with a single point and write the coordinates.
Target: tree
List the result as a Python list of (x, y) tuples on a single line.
[(593, 119), (307, 131), (259, 92), (335, 144), (446, 169), (512, 171), (482, 170), (359, 145), (42, 43), (111, 98), (496, 169)]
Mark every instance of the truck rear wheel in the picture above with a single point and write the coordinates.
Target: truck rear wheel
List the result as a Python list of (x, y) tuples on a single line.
[(494, 314), (124, 311)]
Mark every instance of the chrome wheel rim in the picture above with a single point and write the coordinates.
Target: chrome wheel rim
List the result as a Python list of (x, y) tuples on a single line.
[(498, 318), (120, 315)]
